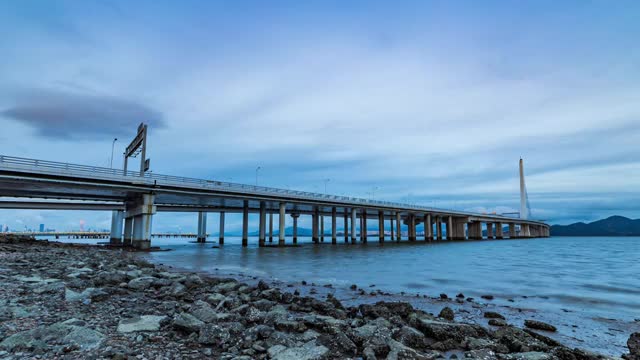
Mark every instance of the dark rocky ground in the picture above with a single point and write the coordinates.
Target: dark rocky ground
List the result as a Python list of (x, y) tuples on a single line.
[(69, 301)]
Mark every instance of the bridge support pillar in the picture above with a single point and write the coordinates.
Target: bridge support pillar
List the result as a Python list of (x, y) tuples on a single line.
[(245, 223), (295, 227), (262, 224), (499, 231), (450, 230), (221, 232), (117, 217), (334, 239), (524, 231), (321, 228), (489, 230), (457, 229), (412, 227), (281, 223), (270, 227), (439, 228), (314, 225), (392, 232), (142, 214), (428, 228), (475, 230), (345, 228), (512, 231), (202, 227), (353, 225), (363, 230), (380, 227), (398, 227), (128, 231)]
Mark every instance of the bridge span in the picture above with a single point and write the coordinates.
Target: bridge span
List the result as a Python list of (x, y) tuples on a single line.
[(135, 196)]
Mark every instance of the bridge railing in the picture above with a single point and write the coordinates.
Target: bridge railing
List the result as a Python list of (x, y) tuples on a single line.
[(96, 172)]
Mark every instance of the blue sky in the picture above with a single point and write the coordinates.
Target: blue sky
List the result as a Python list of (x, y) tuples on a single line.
[(431, 102)]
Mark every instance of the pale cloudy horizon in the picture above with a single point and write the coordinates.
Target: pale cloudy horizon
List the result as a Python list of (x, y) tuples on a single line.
[(429, 102)]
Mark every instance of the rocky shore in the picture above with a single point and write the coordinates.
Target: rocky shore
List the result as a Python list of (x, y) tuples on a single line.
[(70, 301)]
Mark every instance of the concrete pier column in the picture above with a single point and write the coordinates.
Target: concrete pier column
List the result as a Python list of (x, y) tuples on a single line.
[(391, 228), (345, 227), (428, 236), (489, 230), (245, 223), (321, 228), (202, 227), (270, 227), (450, 230), (295, 227), (221, 232), (262, 224), (499, 231), (412, 227), (524, 231), (143, 216), (475, 230), (334, 232), (353, 225), (117, 218), (512, 231), (381, 226), (398, 227), (314, 225), (458, 229), (128, 231), (363, 231), (439, 228), (281, 218)]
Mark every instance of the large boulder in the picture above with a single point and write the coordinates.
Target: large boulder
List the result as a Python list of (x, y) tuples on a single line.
[(63, 334), (539, 325), (187, 323), (634, 344), (309, 351), (441, 330)]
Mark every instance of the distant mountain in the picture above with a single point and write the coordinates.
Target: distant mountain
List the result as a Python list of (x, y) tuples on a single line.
[(611, 226)]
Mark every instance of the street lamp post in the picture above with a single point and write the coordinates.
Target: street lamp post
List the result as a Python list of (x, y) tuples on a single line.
[(373, 192), (325, 185), (257, 169), (112, 147)]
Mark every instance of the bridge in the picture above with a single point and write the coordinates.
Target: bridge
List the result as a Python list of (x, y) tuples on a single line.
[(92, 234), (135, 196)]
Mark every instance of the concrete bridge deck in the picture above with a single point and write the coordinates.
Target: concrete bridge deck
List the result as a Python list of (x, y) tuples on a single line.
[(134, 197)]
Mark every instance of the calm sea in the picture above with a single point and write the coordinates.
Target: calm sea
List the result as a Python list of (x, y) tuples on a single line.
[(592, 284)]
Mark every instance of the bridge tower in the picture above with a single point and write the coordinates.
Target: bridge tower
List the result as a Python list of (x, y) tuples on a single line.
[(525, 208)]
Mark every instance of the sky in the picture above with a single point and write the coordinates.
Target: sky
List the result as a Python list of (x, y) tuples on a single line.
[(427, 102)]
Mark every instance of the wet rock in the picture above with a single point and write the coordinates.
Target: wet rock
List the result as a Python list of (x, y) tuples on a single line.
[(204, 312), (440, 330), (497, 322), (187, 323), (493, 315), (460, 296), (443, 296), (532, 355), (141, 323), (141, 283), (633, 343), (487, 297), (71, 333), (309, 351), (213, 334), (411, 337), (447, 314), (539, 325), (518, 340)]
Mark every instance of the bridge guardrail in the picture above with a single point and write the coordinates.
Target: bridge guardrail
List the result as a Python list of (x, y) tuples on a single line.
[(59, 168)]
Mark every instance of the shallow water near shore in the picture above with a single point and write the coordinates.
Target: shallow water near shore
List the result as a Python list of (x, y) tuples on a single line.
[(588, 287)]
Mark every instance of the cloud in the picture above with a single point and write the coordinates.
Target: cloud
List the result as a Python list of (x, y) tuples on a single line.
[(67, 115)]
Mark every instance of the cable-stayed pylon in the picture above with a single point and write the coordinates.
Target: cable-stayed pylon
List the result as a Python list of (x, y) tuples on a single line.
[(525, 207)]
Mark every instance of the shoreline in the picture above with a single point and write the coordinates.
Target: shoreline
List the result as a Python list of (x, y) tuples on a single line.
[(79, 301)]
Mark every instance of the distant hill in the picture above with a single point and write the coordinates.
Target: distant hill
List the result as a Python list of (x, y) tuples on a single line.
[(611, 226)]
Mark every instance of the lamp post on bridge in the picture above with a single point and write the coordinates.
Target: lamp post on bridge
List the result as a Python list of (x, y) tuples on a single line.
[(257, 169), (325, 185), (112, 147)]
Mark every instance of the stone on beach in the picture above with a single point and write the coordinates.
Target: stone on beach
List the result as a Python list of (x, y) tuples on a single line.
[(141, 323), (539, 325)]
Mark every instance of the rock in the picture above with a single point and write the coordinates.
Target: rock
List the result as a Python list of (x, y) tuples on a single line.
[(440, 330), (141, 283), (411, 337), (353, 287), (68, 334), (447, 313), (518, 340), (141, 323), (204, 312), (187, 323), (634, 344), (460, 296), (539, 325), (309, 351), (497, 322), (532, 355), (487, 297), (443, 296), (211, 334), (399, 351), (493, 315)]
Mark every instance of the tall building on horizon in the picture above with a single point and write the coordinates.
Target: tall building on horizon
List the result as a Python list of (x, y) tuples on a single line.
[(41, 227)]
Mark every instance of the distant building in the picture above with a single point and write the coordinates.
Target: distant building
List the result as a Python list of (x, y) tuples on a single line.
[(41, 227)]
